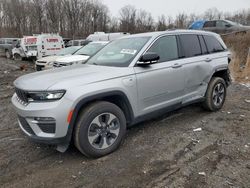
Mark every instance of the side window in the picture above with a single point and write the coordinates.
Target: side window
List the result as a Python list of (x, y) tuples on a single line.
[(203, 45), (190, 45), (9, 41), (221, 23), (1, 41), (166, 48), (213, 45), (210, 24)]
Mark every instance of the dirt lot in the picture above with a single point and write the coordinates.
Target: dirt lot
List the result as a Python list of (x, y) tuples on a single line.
[(164, 152)]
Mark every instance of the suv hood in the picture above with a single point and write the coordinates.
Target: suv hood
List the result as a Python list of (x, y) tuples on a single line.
[(70, 76)]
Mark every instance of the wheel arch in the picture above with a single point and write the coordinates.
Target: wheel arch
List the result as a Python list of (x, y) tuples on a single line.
[(118, 98), (223, 73)]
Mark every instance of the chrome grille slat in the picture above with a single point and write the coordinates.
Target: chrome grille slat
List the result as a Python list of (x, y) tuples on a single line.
[(22, 96)]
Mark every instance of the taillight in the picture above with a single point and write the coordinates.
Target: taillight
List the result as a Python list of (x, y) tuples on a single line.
[(62, 46)]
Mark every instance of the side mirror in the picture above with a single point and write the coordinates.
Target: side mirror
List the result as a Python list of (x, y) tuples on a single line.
[(17, 45), (148, 58)]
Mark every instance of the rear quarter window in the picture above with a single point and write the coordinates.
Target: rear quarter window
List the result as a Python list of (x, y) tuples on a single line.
[(190, 45), (213, 45)]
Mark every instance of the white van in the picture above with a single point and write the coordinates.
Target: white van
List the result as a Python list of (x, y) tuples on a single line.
[(101, 36), (38, 46)]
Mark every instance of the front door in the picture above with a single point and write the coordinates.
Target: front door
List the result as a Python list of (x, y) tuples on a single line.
[(161, 84)]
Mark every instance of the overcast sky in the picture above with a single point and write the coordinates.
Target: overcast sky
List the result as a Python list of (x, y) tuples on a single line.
[(173, 7)]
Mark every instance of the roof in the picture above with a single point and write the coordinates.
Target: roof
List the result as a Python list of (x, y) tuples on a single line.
[(172, 31)]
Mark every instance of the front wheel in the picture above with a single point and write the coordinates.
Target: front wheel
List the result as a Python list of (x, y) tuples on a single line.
[(17, 57), (100, 129), (215, 95)]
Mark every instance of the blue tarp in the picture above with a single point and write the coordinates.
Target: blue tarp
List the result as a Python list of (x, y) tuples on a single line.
[(197, 24)]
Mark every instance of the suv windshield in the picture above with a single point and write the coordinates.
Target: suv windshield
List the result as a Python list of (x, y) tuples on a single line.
[(90, 49), (119, 53), (69, 50)]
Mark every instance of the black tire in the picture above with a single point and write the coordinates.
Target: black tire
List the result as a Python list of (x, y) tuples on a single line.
[(38, 68), (17, 57), (85, 121), (7, 54), (214, 103)]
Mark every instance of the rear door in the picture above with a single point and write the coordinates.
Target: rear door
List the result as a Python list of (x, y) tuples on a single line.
[(161, 84), (210, 26), (197, 68)]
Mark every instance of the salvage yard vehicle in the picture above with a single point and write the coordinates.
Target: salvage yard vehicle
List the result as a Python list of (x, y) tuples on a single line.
[(81, 55), (102, 36), (130, 80), (79, 42), (48, 61), (38, 46), (6, 46), (220, 26)]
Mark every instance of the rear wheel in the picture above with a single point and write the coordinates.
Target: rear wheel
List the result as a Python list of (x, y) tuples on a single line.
[(215, 95), (7, 54), (100, 129)]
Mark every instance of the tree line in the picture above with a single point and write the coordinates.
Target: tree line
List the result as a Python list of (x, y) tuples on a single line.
[(79, 18)]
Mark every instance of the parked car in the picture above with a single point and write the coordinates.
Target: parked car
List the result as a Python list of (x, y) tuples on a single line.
[(79, 42), (48, 61), (6, 46), (38, 46), (81, 55), (220, 26), (66, 42), (102, 36), (130, 80)]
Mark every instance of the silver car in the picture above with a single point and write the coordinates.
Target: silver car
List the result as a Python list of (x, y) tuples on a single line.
[(131, 79)]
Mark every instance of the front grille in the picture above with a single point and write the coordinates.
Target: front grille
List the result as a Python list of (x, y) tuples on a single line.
[(22, 96), (25, 125)]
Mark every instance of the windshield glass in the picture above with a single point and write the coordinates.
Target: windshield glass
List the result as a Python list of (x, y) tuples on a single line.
[(90, 49), (119, 53), (69, 50)]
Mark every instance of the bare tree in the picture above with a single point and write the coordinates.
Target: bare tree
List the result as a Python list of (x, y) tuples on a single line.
[(128, 19)]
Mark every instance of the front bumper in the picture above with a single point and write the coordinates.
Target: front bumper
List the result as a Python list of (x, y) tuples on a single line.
[(44, 122)]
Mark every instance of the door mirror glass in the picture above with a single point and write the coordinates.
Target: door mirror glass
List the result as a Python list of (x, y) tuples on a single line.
[(148, 58)]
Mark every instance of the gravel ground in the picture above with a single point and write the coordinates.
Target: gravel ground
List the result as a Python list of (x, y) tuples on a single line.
[(163, 152)]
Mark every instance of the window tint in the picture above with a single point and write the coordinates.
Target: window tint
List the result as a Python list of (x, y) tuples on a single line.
[(166, 48), (9, 41), (203, 45), (213, 45), (221, 23), (190, 45), (209, 24)]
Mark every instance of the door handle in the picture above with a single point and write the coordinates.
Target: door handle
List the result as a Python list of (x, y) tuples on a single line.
[(208, 59), (176, 65)]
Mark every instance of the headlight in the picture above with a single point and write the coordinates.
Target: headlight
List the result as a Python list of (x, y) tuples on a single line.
[(45, 96)]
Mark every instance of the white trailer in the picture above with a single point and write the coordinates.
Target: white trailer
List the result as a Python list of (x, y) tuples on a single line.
[(38, 46)]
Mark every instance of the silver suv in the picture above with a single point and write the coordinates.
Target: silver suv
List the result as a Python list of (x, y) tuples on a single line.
[(131, 79)]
